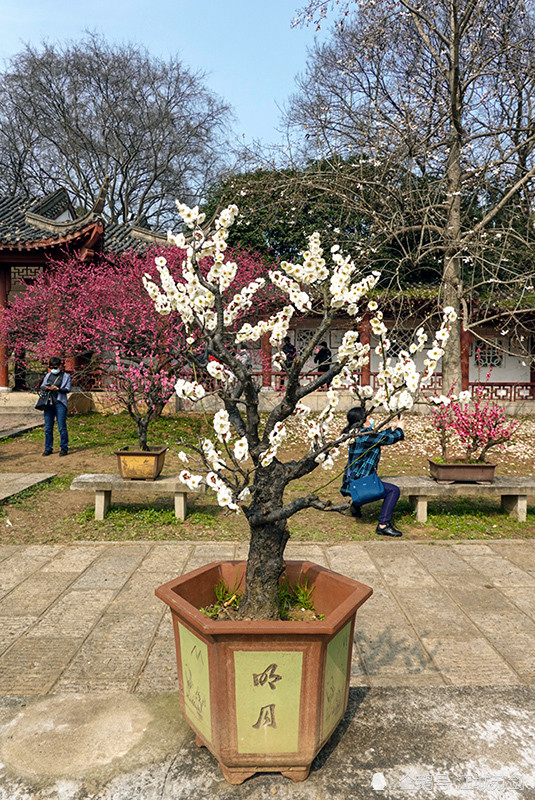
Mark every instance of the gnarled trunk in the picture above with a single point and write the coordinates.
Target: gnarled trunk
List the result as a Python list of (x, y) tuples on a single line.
[(265, 565), (265, 562)]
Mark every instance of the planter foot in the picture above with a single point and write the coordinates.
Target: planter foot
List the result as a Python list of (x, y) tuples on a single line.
[(199, 742), (236, 776), (297, 774)]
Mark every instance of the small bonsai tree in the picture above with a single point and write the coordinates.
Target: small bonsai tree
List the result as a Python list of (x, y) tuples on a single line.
[(471, 422), (242, 461)]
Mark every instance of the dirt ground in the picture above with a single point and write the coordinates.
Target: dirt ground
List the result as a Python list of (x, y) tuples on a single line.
[(53, 512)]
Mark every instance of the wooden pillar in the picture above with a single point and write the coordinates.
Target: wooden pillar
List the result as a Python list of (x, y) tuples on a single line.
[(266, 361), (5, 286), (466, 340), (365, 334)]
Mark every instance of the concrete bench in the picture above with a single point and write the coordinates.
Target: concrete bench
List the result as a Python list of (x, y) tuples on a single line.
[(103, 485), (513, 492)]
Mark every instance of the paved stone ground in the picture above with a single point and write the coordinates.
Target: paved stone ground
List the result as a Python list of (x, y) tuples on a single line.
[(84, 617), (12, 483), (15, 424), (443, 697)]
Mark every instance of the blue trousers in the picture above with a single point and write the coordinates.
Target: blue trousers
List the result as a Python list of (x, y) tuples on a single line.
[(389, 503), (56, 412)]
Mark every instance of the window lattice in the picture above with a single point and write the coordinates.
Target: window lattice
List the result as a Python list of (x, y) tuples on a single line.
[(487, 355), (23, 272)]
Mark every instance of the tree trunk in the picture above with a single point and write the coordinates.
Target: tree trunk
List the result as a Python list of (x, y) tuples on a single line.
[(265, 562), (265, 565), (142, 426), (452, 279)]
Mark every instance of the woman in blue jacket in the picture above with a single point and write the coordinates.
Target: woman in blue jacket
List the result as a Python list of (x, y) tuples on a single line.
[(363, 460), (58, 384)]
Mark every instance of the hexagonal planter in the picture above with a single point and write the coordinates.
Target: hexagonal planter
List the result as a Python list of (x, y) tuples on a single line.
[(263, 696)]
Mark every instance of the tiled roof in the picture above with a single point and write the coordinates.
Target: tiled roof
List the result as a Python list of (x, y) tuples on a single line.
[(121, 238), (53, 205), (27, 226)]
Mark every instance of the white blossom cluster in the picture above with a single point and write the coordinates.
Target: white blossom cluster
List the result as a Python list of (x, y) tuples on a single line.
[(190, 390), (445, 400), (278, 324), (194, 298), (276, 438), (299, 298), (241, 301), (313, 269)]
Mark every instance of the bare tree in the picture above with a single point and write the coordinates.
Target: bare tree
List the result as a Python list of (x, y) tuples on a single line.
[(72, 114), (425, 111)]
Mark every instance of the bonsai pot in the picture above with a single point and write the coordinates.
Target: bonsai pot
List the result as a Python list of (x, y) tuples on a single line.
[(263, 696), (462, 472), (141, 464)]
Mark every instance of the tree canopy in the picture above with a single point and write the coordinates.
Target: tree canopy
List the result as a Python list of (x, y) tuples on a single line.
[(438, 97), (72, 114)]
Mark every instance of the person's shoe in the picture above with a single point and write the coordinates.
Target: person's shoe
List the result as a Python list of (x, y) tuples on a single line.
[(47, 453), (64, 452), (355, 511), (388, 530)]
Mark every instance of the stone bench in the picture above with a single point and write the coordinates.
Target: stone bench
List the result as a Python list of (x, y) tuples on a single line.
[(103, 485), (512, 490)]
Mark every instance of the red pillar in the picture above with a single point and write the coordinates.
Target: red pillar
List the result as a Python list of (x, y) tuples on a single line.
[(365, 333), (5, 286), (266, 361), (466, 340)]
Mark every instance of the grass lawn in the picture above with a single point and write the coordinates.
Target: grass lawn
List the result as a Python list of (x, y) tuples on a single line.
[(52, 513)]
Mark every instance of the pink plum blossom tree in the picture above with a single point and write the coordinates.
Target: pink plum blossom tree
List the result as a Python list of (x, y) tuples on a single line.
[(99, 313), (478, 427)]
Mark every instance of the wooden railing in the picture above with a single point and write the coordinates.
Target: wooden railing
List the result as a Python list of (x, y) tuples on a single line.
[(505, 390)]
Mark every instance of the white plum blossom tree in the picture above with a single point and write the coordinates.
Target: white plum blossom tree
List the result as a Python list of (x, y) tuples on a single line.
[(242, 461)]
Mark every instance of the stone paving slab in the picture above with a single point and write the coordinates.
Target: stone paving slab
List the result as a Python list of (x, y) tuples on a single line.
[(442, 702), (14, 482), (396, 743), (461, 614)]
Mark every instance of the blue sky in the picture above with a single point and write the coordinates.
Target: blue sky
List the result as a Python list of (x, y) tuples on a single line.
[(247, 47)]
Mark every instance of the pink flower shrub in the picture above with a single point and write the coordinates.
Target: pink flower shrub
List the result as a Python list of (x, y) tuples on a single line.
[(100, 313), (477, 426)]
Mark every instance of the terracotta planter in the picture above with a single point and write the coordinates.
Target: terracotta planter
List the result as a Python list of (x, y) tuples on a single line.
[(141, 464), (461, 472), (263, 696)]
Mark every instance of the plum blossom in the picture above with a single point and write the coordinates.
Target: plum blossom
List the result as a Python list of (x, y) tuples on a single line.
[(205, 305), (241, 449), (222, 425)]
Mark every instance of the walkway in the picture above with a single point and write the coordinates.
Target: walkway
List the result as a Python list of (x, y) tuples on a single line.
[(443, 672)]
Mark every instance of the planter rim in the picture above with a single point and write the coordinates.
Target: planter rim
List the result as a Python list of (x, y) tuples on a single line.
[(461, 463), (358, 594), (134, 451)]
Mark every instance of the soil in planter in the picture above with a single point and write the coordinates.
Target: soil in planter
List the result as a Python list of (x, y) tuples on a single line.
[(295, 603)]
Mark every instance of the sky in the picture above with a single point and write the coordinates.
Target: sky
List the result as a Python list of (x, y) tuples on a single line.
[(247, 48)]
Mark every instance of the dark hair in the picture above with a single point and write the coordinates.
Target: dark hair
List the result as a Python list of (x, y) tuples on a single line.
[(323, 344), (54, 362), (287, 339), (355, 417)]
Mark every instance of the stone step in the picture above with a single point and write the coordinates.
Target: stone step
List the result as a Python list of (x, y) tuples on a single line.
[(18, 403)]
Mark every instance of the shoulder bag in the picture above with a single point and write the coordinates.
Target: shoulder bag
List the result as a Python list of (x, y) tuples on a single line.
[(367, 489), (46, 398)]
